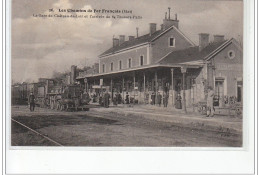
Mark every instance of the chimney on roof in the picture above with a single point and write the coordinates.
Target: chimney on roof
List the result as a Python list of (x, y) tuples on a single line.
[(137, 32), (203, 40), (115, 42), (162, 27), (131, 38), (218, 38), (152, 28), (121, 39), (168, 22), (169, 13)]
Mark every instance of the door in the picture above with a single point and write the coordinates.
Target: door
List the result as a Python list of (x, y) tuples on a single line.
[(178, 88), (219, 91), (239, 91)]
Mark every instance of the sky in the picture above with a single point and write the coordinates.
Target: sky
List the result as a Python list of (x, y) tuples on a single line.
[(40, 46)]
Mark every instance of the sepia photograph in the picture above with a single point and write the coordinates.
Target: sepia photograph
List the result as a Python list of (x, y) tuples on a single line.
[(120, 73)]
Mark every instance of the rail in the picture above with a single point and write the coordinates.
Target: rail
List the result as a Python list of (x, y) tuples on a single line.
[(37, 132)]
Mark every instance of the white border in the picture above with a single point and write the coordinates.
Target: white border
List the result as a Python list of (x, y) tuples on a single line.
[(144, 160)]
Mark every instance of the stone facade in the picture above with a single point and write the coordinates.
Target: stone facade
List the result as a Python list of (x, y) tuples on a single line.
[(217, 64), (161, 47), (133, 54), (151, 52)]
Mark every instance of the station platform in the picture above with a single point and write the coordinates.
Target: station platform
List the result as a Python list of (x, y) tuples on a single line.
[(231, 123)]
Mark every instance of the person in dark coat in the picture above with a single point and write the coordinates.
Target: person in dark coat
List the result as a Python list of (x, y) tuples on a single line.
[(106, 99), (31, 101), (119, 98), (127, 98), (159, 99), (165, 99), (178, 104), (85, 98), (210, 107), (153, 98), (115, 99)]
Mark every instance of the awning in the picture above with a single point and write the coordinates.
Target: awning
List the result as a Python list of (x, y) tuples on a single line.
[(145, 67)]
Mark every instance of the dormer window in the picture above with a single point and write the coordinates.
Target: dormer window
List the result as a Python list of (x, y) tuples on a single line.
[(171, 42)]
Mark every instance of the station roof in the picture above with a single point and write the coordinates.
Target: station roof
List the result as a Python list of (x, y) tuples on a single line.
[(144, 39), (140, 40), (190, 57), (190, 54)]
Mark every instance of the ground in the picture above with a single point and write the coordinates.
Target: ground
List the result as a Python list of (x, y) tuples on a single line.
[(124, 126)]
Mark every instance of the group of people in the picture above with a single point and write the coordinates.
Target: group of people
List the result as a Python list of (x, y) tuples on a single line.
[(165, 97), (118, 99), (160, 98)]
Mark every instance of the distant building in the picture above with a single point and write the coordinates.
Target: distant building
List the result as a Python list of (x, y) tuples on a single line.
[(89, 70)]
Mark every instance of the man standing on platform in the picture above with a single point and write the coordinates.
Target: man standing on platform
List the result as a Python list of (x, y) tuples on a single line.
[(159, 99), (31, 101), (165, 99), (153, 98), (106, 99), (210, 108), (127, 98)]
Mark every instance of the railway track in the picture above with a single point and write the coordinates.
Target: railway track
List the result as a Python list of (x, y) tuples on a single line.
[(36, 132)]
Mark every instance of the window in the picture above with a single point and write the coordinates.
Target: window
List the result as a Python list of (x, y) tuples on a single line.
[(231, 54), (171, 42), (103, 68), (120, 65), (111, 66), (129, 63), (141, 60)]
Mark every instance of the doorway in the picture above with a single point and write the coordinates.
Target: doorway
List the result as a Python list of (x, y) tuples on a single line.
[(219, 91), (239, 91)]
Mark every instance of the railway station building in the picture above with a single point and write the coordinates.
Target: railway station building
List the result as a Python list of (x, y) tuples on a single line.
[(166, 60)]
